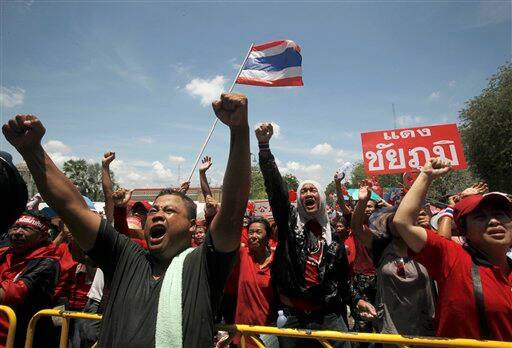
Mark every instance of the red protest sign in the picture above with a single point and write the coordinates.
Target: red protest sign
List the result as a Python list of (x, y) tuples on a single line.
[(407, 149)]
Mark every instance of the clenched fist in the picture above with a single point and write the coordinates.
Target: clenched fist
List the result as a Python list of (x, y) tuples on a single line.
[(264, 132), (24, 132), (108, 157), (121, 197), (231, 109), (436, 167)]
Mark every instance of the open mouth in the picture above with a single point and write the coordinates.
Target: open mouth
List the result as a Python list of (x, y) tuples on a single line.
[(310, 203), (156, 233)]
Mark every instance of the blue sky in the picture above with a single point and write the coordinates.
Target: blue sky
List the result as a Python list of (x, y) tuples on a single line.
[(137, 77)]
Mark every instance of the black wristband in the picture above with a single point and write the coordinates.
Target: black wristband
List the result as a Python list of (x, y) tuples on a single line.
[(264, 146)]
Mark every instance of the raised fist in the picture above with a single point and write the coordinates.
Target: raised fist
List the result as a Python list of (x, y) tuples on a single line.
[(231, 109), (206, 163), (339, 176), (24, 131), (436, 167), (264, 132), (108, 157), (365, 192), (121, 197), (184, 187)]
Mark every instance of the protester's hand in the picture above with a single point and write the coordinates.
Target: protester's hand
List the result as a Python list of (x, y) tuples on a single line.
[(436, 167), (264, 132), (365, 192), (121, 197), (206, 163), (211, 205), (452, 200), (184, 187), (477, 189), (24, 132), (108, 157), (366, 310), (339, 176), (231, 109)]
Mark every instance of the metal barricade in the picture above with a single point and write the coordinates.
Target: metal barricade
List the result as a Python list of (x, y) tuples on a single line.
[(64, 332), (11, 317), (250, 332)]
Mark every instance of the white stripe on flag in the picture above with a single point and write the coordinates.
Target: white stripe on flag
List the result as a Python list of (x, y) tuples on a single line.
[(294, 71), (272, 51)]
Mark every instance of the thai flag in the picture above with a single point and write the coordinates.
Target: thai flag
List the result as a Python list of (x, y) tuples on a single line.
[(273, 64)]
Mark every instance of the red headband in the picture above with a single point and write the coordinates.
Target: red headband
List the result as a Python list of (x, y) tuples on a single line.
[(32, 222)]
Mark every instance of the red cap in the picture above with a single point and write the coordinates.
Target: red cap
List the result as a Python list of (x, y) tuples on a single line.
[(470, 203)]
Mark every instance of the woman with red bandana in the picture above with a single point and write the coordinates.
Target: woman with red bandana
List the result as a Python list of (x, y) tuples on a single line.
[(480, 271)]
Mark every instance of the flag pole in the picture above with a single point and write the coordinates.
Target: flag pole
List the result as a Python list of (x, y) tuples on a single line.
[(216, 119)]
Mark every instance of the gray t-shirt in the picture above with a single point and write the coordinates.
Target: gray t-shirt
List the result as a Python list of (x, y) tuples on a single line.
[(405, 296)]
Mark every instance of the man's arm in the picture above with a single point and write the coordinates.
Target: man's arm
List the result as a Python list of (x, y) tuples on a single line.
[(25, 132), (338, 177), (206, 163), (106, 183), (226, 226), (405, 218), (362, 234), (276, 188)]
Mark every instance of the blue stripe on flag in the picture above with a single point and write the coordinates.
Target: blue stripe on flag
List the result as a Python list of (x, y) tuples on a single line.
[(290, 57)]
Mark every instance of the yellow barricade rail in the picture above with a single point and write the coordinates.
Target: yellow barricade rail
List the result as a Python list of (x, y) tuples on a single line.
[(11, 317), (250, 332), (64, 332)]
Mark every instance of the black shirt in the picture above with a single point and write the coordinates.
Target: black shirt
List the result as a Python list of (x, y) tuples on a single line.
[(130, 315)]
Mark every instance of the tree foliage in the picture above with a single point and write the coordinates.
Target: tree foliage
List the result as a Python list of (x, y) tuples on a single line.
[(257, 184), (486, 128), (87, 178), (292, 181)]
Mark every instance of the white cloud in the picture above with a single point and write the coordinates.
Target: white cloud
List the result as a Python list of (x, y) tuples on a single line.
[(452, 83), (141, 174), (176, 159), (493, 12), (434, 95), (58, 152), (322, 149), (206, 90), (303, 171), (275, 127), (408, 120), (11, 97)]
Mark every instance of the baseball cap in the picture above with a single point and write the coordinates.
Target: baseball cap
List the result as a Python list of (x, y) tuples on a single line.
[(469, 204)]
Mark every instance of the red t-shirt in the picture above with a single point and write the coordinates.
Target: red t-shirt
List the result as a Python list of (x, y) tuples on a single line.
[(311, 269), (363, 263), (456, 314), (255, 293)]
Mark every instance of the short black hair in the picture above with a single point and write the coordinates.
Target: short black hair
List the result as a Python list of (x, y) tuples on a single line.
[(261, 220), (189, 203)]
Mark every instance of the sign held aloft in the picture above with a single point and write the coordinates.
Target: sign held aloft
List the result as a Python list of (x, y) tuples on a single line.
[(407, 149)]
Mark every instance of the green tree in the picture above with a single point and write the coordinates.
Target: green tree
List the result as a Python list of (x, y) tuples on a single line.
[(292, 181), (486, 128), (87, 178), (257, 184)]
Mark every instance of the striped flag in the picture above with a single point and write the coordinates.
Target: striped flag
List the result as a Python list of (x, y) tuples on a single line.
[(273, 64)]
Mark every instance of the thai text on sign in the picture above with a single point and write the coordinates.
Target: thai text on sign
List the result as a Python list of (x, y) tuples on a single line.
[(407, 149)]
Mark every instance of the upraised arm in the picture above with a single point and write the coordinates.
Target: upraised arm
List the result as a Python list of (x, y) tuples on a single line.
[(106, 183), (358, 219), (405, 218), (338, 177), (226, 226), (206, 163), (25, 132), (277, 190)]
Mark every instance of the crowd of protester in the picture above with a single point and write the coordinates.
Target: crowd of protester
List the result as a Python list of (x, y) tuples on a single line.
[(163, 274)]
